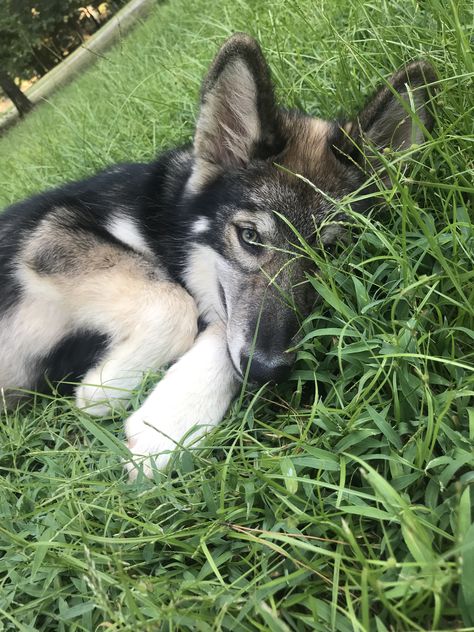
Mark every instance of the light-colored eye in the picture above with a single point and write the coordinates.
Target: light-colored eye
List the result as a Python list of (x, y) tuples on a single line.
[(250, 236)]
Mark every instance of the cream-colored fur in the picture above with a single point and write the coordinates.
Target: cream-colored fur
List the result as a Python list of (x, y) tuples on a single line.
[(162, 328), (149, 320)]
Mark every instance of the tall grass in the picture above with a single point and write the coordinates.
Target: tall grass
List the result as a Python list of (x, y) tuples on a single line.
[(340, 501)]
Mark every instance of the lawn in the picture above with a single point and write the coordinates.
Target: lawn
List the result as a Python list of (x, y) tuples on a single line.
[(339, 501)]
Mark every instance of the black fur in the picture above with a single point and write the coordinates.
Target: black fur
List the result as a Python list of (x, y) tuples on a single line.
[(69, 361)]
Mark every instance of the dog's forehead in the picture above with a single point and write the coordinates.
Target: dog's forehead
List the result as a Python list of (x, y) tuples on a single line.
[(309, 154), (305, 178), (287, 196), (286, 206), (306, 141)]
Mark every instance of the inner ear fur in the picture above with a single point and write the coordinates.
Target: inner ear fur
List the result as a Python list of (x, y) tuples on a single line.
[(396, 117), (238, 116)]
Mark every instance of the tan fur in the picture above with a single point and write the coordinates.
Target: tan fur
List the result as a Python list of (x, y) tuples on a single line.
[(308, 152), (107, 289)]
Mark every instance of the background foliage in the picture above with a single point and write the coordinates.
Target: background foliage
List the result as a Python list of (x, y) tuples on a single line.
[(341, 501), (35, 36)]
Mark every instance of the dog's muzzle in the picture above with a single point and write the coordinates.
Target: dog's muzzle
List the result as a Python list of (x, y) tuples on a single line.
[(262, 368)]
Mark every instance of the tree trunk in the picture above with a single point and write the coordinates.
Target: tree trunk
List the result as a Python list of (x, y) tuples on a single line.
[(13, 92)]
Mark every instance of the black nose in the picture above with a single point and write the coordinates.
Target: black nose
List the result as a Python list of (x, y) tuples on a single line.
[(266, 368)]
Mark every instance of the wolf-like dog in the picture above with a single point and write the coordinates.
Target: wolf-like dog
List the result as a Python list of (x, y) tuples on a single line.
[(105, 279)]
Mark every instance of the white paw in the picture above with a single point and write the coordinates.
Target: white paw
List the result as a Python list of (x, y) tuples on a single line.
[(154, 432), (87, 399), (99, 400), (149, 449)]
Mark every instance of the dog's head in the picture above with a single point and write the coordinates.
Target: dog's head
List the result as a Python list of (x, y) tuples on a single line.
[(247, 201)]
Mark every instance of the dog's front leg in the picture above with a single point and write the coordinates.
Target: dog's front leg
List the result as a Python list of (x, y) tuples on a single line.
[(192, 398)]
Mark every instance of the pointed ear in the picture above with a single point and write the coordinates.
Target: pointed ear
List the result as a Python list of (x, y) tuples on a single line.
[(238, 118), (396, 117)]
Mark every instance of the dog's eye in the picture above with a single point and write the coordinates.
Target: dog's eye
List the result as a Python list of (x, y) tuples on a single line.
[(250, 236)]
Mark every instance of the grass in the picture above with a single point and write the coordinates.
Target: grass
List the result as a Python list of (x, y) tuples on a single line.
[(341, 501)]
